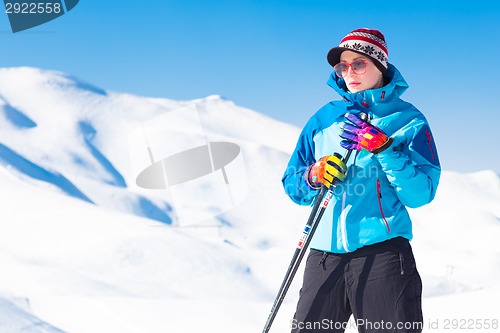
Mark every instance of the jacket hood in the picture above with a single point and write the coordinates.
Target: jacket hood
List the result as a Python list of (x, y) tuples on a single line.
[(367, 98)]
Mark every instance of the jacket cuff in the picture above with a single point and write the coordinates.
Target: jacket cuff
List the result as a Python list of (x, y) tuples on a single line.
[(386, 145), (308, 182)]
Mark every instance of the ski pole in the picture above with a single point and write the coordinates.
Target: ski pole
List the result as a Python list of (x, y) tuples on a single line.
[(322, 200)]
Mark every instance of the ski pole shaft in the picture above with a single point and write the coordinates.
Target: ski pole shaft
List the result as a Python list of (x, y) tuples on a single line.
[(294, 263), (322, 201)]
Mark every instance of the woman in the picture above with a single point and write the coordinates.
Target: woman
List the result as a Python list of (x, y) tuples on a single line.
[(361, 261)]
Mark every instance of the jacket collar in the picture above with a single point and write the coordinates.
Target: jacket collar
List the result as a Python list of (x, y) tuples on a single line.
[(372, 97)]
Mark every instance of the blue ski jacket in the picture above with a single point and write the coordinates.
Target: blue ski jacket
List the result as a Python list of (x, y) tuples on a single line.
[(369, 206)]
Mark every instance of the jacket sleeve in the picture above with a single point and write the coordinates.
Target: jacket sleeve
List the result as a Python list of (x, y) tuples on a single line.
[(412, 166), (294, 180)]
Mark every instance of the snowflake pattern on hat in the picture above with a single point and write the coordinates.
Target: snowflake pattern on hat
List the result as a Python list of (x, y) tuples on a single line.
[(364, 41)]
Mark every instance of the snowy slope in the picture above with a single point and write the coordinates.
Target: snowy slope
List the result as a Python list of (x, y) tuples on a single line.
[(84, 250)]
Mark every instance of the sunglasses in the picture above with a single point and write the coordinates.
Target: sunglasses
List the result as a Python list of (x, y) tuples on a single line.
[(358, 67)]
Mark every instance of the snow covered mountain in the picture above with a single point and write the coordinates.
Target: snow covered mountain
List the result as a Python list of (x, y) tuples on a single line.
[(82, 249)]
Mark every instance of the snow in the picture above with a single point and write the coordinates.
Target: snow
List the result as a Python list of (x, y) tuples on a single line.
[(82, 249)]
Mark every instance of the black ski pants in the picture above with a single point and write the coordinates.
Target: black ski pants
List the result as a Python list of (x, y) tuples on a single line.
[(378, 284)]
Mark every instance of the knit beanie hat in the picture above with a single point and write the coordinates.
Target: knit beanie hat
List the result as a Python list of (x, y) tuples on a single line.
[(368, 42)]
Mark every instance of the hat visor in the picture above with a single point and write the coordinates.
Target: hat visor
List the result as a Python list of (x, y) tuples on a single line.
[(333, 55)]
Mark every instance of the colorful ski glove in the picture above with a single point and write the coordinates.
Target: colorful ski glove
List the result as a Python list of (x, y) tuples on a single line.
[(358, 134), (326, 171)]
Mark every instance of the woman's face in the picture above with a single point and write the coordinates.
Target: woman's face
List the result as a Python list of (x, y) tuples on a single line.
[(371, 79)]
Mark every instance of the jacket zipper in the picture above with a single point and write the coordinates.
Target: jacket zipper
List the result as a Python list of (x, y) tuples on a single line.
[(429, 142), (379, 198), (343, 227)]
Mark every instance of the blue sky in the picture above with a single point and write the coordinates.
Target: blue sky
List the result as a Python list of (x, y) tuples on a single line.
[(270, 56)]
